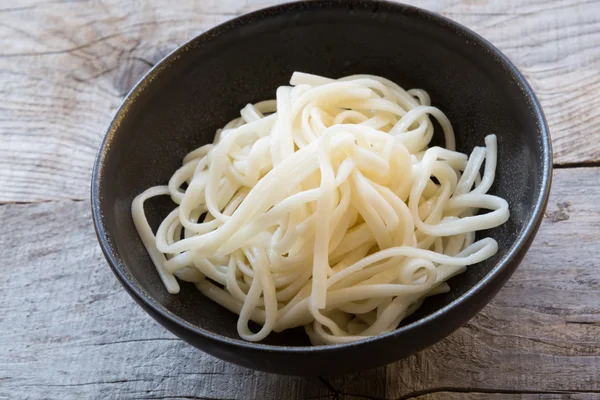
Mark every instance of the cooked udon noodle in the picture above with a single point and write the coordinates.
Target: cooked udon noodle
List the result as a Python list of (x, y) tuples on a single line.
[(326, 209)]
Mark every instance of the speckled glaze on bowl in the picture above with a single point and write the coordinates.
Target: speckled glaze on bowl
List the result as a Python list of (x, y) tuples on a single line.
[(203, 84)]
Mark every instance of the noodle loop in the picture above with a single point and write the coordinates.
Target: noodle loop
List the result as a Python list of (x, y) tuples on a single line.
[(325, 208)]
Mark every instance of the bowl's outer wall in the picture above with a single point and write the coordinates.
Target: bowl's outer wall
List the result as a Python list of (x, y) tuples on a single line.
[(178, 107)]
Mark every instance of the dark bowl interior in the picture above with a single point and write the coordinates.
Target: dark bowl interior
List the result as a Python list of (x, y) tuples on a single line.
[(181, 102)]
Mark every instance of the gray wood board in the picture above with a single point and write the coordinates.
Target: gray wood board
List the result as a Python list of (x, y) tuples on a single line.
[(67, 328), (66, 66), (70, 331)]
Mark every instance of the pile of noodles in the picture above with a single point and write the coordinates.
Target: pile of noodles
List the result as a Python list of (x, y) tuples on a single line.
[(325, 208)]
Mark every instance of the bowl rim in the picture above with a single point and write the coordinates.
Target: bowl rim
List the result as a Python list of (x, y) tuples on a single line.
[(148, 302)]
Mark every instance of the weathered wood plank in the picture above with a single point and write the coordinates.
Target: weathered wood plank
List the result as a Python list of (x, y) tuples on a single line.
[(65, 67), (556, 44), (542, 331), (505, 396), (70, 331)]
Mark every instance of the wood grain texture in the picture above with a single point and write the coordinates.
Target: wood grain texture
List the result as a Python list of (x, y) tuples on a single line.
[(505, 396), (64, 69), (69, 331), (66, 66), (542, 332), (556, 45)]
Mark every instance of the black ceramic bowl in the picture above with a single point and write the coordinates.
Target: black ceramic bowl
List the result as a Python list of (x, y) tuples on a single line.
[(203, 84)]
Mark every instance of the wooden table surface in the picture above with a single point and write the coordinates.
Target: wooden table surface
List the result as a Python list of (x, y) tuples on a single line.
[(68, 329)]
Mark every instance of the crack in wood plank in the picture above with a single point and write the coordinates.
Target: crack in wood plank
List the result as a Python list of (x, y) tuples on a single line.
[(20, 203), (119, 381), (329, 386), (14, 9), (185, 397), (582, 164), (419, 393), (134, 341), (340, 394)]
